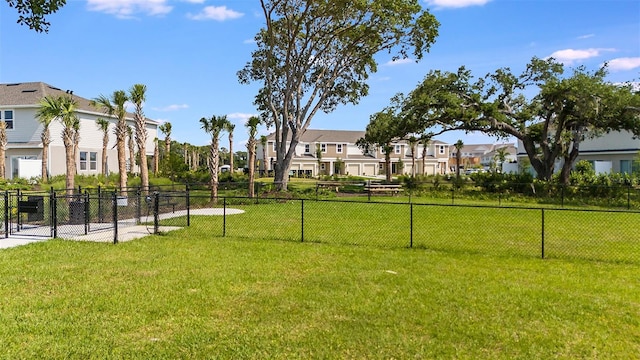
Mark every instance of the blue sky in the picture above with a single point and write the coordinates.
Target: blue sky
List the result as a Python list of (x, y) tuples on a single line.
[(187, 52)]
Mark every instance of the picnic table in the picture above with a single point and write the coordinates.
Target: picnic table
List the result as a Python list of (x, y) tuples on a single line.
[(383, 188)]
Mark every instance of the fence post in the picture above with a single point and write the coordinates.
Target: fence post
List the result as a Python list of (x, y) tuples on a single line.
[(453, 189), (18, 213), (100, 214), (542, 237), (156, 211), (54, 213), (138, 205), (628, 196), (87, 213), (562, 196), (411, 225), (188, 203), (6, 214), (224, 216), (114, 201), (302, 220)]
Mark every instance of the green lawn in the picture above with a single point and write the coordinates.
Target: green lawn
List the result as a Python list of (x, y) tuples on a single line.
[(587, 235), (189, 294)]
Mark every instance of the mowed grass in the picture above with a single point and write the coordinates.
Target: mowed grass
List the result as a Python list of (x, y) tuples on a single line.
[(523, 232), (190, 294)]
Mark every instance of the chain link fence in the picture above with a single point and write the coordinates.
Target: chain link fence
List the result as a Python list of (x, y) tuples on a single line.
[(557, 233)]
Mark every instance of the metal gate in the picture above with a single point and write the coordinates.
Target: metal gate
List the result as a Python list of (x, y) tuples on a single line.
[(28, 214)]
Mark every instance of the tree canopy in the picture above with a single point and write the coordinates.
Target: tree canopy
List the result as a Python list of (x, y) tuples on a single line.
[(32, 13), (550, 113), (314, 55)]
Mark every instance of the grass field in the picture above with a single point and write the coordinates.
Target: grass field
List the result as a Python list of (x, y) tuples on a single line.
[(188, 294), (588, 235)]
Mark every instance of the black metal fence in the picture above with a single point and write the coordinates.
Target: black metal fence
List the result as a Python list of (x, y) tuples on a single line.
[(588, 234)]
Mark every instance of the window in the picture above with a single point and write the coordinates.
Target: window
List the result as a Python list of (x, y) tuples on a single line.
[(7, 117), (307, 148), (441, 149), (626, 166), (323, 148), (339, 148), (273, 146), (91, 158), (398, 149), (322, 167)]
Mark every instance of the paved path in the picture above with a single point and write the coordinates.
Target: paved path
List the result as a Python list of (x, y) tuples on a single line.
[(127, 232)]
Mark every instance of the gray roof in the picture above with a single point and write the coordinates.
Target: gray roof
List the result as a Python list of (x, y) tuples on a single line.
[(327, 136), (30, 94), (334, 136)]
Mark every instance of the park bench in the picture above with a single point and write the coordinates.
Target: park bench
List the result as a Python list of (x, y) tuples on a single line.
[(329, 185), (383, 188)]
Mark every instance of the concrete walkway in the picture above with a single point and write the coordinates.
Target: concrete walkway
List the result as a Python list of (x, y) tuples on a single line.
[(126, 232)]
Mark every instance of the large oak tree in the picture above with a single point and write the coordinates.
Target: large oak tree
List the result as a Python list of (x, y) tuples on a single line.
[(314, 55), (550, 113)]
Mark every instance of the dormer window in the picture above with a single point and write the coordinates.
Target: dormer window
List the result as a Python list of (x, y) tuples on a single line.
[(307, 149)]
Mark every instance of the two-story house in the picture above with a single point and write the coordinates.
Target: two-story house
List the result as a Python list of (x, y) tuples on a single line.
[(19, 103), (608, 153), (328, 152)]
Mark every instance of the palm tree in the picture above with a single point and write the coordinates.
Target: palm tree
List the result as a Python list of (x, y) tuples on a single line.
[(70, 137), (458, 145), (132, 149), (229, 128), (137, 95), (3, 148), (156, 157), (501, 156), (214, 126), (114, 107), (166, 130), (103, 125), (47, 112), (263, 142), (413, 143), (425, 147), (252, 126)]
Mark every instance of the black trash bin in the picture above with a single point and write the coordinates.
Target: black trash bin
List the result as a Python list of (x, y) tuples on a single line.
[(38, 213), (76, 212)]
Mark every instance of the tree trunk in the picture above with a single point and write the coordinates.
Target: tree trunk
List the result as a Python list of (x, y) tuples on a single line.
[(424, 159), (387, 164), (45, 155), (122, 164), (213, 168), (251, 149), (156, 158), (105, 144), (458, 158), (283, 163), (231, 168)]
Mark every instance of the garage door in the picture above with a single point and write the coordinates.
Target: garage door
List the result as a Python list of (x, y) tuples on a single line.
[(353, 169), (369, 169)]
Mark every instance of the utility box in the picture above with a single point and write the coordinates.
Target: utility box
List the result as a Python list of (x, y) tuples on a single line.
[(38, 214), (76, 212)]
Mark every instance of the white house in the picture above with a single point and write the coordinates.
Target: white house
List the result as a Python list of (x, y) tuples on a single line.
[(19, 103)]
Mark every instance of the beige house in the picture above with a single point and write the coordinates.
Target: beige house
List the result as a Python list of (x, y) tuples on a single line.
[(339, 154), (19, 103), (612, 152)]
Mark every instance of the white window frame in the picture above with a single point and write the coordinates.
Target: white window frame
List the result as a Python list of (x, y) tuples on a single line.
[(322, 166), (339, 148), (441, 149), (3, 117), (88, 164), (307, 149), (273, 146), (323, 148), (398, 149)]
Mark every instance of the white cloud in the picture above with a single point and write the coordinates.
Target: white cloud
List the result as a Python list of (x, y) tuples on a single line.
[(218, 13), (128, 8), (242, 116), (173, 107), (195, 1), (624, 64), (586, 36), (455, 3), (568, 56), (249, 41), (399, 62)]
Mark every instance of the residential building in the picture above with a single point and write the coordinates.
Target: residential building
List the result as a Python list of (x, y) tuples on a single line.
[(338, 153), (19, 103), (612, 152), (480, 155)]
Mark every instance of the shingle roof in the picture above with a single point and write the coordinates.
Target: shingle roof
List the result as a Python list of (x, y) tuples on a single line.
[(30, 93), (327, 136)]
